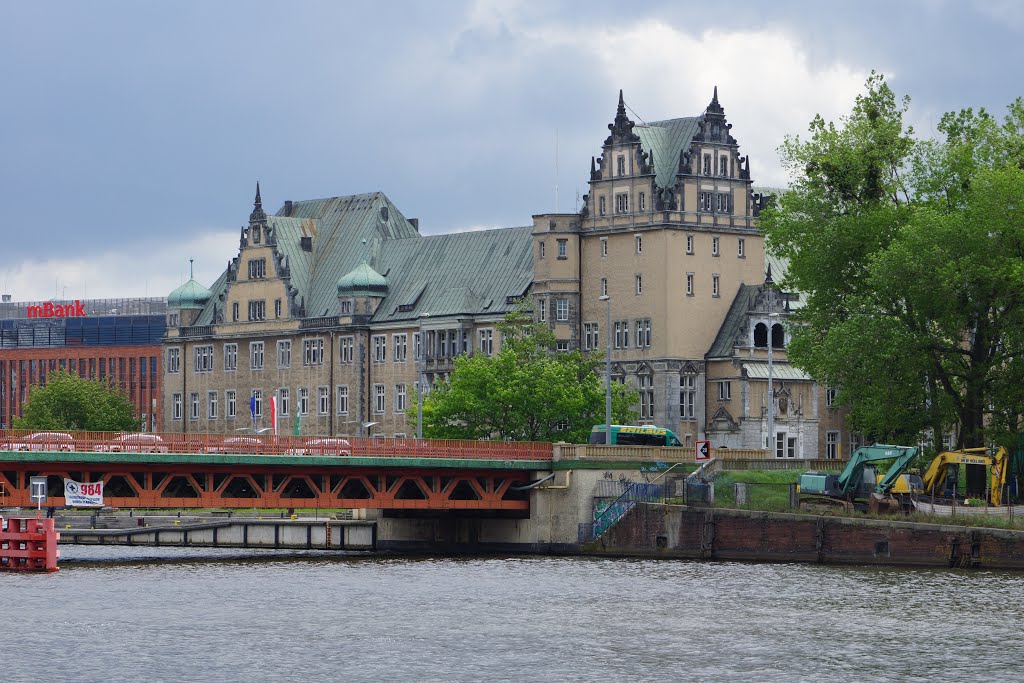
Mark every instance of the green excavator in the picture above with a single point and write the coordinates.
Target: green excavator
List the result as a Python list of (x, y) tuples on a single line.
[(859, 487)]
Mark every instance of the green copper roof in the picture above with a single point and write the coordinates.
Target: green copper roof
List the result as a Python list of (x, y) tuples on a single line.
[(190, 295), (363, 281), (665, 139)]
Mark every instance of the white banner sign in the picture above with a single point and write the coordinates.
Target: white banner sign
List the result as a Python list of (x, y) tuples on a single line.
[(83, 495)]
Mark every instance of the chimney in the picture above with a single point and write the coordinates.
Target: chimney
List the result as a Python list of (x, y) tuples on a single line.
[(287, 207), (415, 223)]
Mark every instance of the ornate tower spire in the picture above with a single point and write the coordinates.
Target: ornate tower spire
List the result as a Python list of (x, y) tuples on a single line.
[(257, 215), (621, 127)]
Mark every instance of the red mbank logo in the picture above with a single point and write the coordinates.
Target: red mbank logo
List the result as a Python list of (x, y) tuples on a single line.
[(52, 310)]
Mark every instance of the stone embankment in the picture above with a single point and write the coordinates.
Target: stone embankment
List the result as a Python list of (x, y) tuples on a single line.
[(676, 531)]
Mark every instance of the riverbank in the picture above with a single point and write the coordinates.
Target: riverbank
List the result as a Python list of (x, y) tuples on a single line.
[(682, 532)]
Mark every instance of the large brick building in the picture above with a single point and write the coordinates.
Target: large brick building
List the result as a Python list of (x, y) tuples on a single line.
[(338, 306)]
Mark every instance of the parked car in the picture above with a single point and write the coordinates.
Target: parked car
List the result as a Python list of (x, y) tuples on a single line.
[(238, 444), (42, 441), (322, 445), (133, 443)]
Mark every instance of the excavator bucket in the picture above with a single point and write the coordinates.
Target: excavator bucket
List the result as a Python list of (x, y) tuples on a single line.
[(881, 504)]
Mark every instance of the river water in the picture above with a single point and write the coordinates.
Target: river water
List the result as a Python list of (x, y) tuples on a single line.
[(166, 614)]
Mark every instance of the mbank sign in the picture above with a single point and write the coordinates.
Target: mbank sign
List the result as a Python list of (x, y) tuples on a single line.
[(51, 310)]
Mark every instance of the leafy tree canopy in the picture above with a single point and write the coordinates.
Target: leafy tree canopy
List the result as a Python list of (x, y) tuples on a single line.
[(910, 254), (68, 402), (525, 392)]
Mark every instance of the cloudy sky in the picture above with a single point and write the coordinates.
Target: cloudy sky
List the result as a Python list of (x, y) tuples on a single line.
[(133, 133)]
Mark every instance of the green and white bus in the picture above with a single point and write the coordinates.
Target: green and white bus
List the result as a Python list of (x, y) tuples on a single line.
[(639, 435)]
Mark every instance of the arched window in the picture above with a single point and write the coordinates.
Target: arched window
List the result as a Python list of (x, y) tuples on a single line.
[(778, 336), (760, 335)]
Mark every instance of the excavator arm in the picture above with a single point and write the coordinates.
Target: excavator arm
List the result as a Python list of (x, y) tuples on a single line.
[(854, 470), (935, 475)]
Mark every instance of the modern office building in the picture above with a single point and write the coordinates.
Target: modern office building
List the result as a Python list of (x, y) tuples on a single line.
[(114, 340)]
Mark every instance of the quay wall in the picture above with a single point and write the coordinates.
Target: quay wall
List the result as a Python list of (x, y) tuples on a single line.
[(676, 531)]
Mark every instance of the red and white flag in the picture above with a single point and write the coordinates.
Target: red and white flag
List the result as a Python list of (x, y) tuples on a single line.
[(273, 413)]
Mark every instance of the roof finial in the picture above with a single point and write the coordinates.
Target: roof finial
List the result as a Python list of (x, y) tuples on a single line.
[(768, 275), (190, 275), (259, 202), (622, 127), (622, 104), (714, 97), (257, 215)]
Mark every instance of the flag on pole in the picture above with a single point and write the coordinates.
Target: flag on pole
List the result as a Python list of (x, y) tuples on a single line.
[(252, 407), (273, 413)]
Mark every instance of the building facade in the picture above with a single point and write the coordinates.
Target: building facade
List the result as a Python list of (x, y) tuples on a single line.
[(342, 311), (113, 340)]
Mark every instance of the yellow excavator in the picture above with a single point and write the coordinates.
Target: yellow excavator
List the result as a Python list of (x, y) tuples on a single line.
[(941, 476)]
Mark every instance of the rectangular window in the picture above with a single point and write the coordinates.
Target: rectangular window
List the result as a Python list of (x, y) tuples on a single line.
[(257, 268), (590, 336), (740, 244), (257, 310), (604, 286), (725, 391), (486, 336), (400, 398), (830, 396), (346, 346), (256, 355), (284, 353), (258, 402), (689, 284), (380, 348), (687, 396), (542, 310), (723, 167), (378, 399), (277, 308), (707, 164), (714, 285), (647, 332), (400, 346), (780, 445), (230, 357), (705, 201), (234, 312), (563, 249), (232, 404), (604, 247), (622, 203), (620, 163), (417, 346), (346, 307), (203, 358), (689, 244), (303, 401), (639, 243), (193, 406), (832, 445), (561, 346), (286, 401), (342, 402), (323, 400), (646, 383), (602, 210), (714, 246), (791, 447), (722, 203), (176, 406), (540, 249), (173, 360), (211, 405), (639, 284), (562, 310), (313, 351), (643, 201)]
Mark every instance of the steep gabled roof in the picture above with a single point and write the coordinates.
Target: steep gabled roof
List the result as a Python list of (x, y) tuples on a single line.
[(725, 343), (665, 139)]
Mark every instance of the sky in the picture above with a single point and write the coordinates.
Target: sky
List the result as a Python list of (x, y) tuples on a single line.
[(132, 134)]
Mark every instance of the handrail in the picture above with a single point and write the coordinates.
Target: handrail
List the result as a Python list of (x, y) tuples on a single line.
[(629, 488)]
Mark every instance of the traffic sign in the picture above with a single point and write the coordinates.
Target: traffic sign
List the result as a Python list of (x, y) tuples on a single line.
[(703, 451)]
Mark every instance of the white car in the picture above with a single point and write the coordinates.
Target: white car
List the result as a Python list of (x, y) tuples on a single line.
[(133, 443), (322, 445), (42, 441), (247, 445)]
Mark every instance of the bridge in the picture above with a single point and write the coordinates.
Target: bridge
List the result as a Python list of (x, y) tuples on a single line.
[(229, 471)]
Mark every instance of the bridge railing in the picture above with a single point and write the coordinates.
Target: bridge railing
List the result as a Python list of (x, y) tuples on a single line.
[(268, 444)]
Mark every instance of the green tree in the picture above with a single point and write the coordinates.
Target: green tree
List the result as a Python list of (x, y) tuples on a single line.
[(68, 402), (910, 256), (525, 392)]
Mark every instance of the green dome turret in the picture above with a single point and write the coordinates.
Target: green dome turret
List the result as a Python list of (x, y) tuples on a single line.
[(190, 295), (363, 281)]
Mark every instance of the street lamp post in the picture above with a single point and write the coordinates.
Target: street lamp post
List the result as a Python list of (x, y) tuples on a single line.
[(419, 390), (771, 388), (608, 374)]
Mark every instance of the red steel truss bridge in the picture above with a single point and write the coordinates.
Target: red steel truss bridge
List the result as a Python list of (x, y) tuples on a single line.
[(227, 471)]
